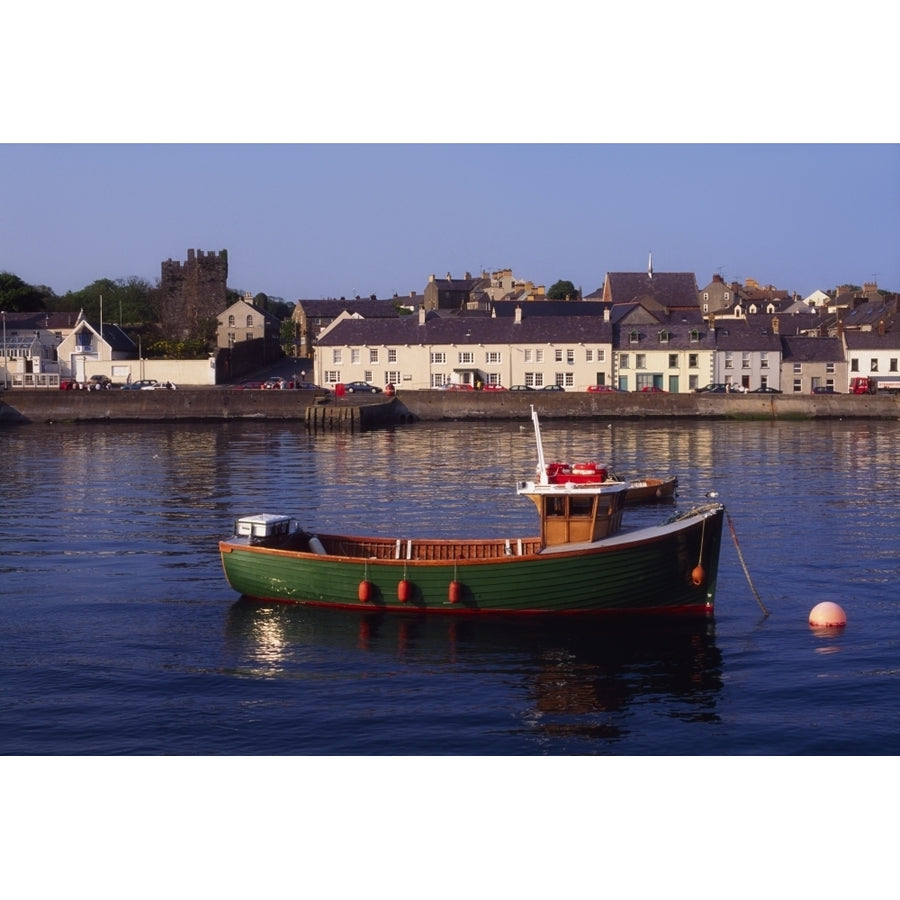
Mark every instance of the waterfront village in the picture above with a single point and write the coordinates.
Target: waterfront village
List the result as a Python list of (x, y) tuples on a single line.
[(638, 331)]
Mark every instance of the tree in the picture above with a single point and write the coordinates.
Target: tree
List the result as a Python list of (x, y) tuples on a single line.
[(17, 296), (562, 290)]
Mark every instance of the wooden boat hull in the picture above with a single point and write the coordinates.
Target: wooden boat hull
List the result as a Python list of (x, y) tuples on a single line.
[(651, 490), (668, 568)]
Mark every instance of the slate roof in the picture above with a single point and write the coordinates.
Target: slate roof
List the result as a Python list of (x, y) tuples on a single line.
[(868, 315), (670, 289), (35, 321), (872, 340), (795, 348), (549, 308), (679, 336), (741, 336), (468, 331), (331, 309)]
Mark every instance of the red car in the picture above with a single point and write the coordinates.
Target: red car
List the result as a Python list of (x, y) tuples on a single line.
[(458, 387), (493, 387), (601, 388), (651, 389)]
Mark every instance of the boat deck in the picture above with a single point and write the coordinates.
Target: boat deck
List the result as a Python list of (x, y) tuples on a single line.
[(423, 549)]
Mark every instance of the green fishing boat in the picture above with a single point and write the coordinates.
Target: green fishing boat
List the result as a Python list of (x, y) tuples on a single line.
[(583, 560)]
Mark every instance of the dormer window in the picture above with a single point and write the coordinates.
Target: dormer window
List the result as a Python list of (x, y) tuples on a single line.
[(664, 336), (634, 337), (695, 336)]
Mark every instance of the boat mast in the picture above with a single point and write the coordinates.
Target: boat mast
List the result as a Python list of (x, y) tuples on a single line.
[(542, 468)]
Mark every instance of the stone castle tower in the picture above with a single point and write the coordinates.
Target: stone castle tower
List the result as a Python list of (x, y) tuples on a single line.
[(193, 293)]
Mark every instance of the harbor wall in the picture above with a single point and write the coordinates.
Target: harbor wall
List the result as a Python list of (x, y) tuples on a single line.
[(320, 411), (439, 405)]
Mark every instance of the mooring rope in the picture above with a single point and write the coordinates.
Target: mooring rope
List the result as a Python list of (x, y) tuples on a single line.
[(737, 547)]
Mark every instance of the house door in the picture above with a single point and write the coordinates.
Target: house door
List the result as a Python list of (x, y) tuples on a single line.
[(78, 367)]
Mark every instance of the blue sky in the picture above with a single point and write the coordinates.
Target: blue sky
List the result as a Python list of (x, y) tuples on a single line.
[(316, 220)]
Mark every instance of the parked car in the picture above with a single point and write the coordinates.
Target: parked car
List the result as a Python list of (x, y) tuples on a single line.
[(824, 390), (458, 387), (274, 384), (494, 387), (552, 387), (712, 389), (521, 387), (95, 382), (306, 386), (145, 384), (652, 389), (601, 389), (765, 389), (361, 387)]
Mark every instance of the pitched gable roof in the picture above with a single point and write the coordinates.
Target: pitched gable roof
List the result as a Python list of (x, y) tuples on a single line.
[(669, 289)]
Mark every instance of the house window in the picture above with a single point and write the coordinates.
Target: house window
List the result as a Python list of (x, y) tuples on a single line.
[(367, 375), (332, 376), (695, 336), (729, 359), (466, 357), (534, 379), (588, 355), (83, 340), (557, 355), (726, 296), (337, 357), (568, 379), (873, 364), (231, 338), (892, 365), (745, 360), (438, 358), (527, 356), (829, 368), (634, 337), (493, 357), (640, 360), (798, 386), (705, 296), (538, 356), (231, 320), (664, 337), (693, 360), (248, 336), (392, 356), (764, 360), (373, 357), (249, 321), (392, 377), (601, 355), (493, 378), (854, 365), (623, 361), (673, 360), (570, 357), (798, 368), (354, 357)]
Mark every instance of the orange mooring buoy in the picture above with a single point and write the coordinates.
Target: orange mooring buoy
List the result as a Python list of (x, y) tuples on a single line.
[(366, 591), (454, 592), (827, 615), (698, 575), (404, 590)]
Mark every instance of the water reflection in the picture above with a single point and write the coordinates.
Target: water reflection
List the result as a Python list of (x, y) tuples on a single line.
[(583, 679)]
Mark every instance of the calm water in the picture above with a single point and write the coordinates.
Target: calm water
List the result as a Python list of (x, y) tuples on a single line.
[(119, 634)]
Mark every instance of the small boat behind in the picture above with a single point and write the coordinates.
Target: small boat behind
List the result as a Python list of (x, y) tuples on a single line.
[(583, 559), (650, 490)]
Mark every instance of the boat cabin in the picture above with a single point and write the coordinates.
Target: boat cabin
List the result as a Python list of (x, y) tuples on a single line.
[(572, 514)]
